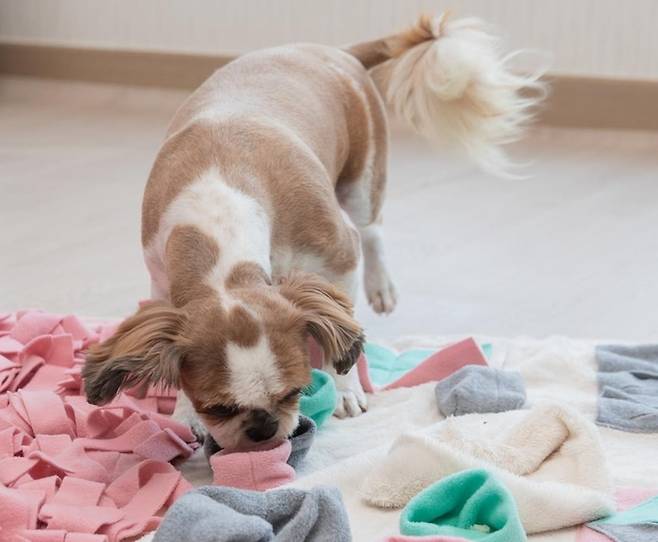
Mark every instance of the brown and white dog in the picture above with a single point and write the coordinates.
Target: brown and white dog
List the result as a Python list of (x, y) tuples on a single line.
[(265, 195)]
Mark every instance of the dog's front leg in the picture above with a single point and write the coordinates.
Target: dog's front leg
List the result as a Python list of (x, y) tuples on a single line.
[(352, 399)]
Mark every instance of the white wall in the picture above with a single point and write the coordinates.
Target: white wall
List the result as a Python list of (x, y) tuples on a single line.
[(592, 37)]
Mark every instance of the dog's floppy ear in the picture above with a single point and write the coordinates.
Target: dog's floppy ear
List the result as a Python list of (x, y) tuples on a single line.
[(146, 349), (327, 313)]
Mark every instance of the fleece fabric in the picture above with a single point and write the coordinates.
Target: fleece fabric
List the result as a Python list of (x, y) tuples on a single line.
[(549, 458), (477, 389), (471, 504), (628, 387), (221, 514), (69, 470), (318, 400)]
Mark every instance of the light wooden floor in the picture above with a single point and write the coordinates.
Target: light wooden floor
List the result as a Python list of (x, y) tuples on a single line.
[(572, 250)]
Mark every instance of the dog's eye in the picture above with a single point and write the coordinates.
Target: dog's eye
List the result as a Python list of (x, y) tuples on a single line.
[(293, 395), (222, 411)]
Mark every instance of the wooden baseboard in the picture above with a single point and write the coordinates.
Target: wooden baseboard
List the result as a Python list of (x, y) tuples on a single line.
[(586, 102), (597, 102), (141, 68)]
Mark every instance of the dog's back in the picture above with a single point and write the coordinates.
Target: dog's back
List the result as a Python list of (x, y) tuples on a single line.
[(309, 92)]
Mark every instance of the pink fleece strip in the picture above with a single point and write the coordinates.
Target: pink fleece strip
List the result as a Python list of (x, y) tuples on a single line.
[(8, 371), (71, 461), (441, 364), (59, 536), (47, 374), (19, 508), (164, 445), (48, 444), (57, 349), (86, 519), (33, 535), (13, 468), (46, 413), (12, 441), (86, 473), (78, 491), (32, 324), (29, 366), (626, 497), (47, 485), (141, 511), (125, 442), (85, 537)]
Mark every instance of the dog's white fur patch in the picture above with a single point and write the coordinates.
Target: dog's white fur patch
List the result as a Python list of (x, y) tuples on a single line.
[(254, 374), (236, 221)]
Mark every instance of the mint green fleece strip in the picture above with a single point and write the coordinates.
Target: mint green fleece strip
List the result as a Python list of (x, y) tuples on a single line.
[(645, 512), (471, 504), (318, 400), (386, 366)]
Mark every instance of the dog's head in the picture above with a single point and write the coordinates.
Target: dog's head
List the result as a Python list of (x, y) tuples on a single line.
[(242, 361)]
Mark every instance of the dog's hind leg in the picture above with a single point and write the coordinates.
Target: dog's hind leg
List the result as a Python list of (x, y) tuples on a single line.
[(378, 285), (361, 195)]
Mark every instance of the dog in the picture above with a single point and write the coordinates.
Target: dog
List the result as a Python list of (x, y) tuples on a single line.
[(264, 197)]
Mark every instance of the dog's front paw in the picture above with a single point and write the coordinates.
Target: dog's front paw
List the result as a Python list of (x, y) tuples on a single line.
[(352, 399), (350, 403)]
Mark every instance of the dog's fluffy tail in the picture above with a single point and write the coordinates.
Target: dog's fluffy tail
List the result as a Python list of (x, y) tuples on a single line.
[(448, 80)]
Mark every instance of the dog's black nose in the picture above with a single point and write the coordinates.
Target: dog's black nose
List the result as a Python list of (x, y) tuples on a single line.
[(263, 426)]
